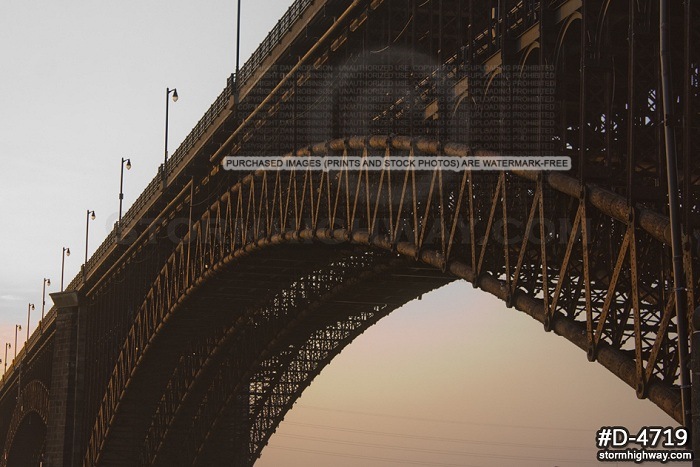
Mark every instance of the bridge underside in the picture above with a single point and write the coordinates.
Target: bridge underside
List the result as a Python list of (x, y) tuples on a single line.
[(248, 311), (29, 444), (253, 374), (240, 349), (221, 295)]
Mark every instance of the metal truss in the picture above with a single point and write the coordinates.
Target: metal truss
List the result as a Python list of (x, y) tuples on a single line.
[(33, 399), (271, 355), (169, 342), (185, 387), (585, 265)]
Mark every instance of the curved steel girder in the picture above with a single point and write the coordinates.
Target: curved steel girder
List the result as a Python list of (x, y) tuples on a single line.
[(284, 329), (34, 398), (188, 385), (202, 313), (268, 209), (307, 345)]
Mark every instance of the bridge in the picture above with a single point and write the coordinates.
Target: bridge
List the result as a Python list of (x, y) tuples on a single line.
[(221, 294)]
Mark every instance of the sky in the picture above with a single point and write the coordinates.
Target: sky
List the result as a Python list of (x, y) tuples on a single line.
[(455, 379)]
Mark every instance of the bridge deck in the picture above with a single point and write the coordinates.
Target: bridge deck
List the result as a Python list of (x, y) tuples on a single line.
[(603, 280)]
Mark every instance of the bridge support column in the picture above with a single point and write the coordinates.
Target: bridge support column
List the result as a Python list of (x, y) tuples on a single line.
[(63, 443)]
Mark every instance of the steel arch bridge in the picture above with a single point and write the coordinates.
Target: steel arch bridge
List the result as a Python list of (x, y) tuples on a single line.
[(221, 294)]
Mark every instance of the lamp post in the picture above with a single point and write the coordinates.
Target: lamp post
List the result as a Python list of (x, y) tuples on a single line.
[(29, 313), (90, 215), (236, 93), (7, 346), (121, 188), (43, 301), (18, 327), (167, 107), (238, 42), (66, 252)]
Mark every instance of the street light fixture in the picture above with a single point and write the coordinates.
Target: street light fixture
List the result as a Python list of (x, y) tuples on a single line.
[(90, 215), (7, 346), (66, 252), (238, 46), (167, 107), (18, 327), (47, 282), (121, 188), (29, 313)]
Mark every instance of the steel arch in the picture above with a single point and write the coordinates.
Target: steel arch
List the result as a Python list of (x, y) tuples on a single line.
[(34, 398), (437, 219)]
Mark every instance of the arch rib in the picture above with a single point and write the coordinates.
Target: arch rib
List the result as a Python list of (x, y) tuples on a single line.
[(245, 234)]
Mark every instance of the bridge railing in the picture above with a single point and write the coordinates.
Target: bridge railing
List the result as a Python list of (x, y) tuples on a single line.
[(517, 20), (200, 128), (218, 106), (246, 72), (273, 38)]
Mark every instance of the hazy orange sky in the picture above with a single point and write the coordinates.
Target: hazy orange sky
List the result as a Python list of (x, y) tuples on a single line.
[(455, 379)]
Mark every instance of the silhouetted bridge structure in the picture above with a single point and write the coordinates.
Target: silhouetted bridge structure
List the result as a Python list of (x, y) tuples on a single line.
[(221, 295)]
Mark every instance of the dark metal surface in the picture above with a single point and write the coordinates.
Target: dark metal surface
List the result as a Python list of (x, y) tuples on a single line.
[(226, 293)]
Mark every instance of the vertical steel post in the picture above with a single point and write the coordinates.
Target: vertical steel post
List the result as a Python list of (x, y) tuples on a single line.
[(236, 96), (121, 193), (676, 248), (87, 232), (43, 304), (66, 252), (631, 99), (167, 108), (121, 189), (687, 112), (582, 94), (63, 267), (238, 42), (17, 328), (687, 150), (412, 80), (29, 314)]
